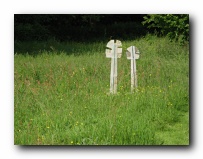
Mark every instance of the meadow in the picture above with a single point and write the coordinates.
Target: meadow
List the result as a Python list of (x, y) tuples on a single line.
[(61, 94)]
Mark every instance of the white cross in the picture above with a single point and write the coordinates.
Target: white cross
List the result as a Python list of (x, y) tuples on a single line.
[(133, 54), (113, 52)]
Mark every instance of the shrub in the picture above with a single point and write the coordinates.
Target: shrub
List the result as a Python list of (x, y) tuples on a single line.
[(175, 26)]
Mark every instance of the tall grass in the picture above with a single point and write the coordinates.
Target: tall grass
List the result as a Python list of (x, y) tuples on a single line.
[(62, 95)]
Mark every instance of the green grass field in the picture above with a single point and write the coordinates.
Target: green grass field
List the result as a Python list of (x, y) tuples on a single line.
[(61, 94)]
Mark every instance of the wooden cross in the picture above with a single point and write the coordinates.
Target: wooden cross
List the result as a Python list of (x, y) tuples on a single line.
[(113, 52), (133, 54)]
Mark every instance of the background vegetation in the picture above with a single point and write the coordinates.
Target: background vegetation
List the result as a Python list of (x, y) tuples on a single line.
[(91, 27), (62, 90), (174, 26), (77, 27)]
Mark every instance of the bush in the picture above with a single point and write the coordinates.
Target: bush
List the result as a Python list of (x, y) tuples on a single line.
[(175, 26)]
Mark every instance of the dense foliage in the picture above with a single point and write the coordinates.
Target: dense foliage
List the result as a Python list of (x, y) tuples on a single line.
[(176, 26), (91, 27), (77, 27)]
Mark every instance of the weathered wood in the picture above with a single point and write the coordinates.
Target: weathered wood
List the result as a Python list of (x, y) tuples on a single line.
[(129, 54), (113, 52), (113, 78), (133, 54), (110, 45)]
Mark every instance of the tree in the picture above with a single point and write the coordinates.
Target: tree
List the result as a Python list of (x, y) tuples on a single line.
[(77, 27), (175, 26)]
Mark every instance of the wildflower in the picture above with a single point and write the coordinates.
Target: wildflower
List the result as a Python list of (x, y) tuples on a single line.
[(47, 127), (170, 104), (71, 142)]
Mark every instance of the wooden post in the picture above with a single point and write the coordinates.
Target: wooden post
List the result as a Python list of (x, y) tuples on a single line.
[(113, 76), (133, 54), (113, 52)]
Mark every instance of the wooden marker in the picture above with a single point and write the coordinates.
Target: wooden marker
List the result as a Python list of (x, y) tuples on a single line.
[(113, 52), (133, 54)]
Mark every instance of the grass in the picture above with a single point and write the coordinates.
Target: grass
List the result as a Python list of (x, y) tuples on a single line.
[(61, 95)]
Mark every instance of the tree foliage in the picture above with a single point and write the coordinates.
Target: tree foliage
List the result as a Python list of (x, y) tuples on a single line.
[(176, 26), (77, 27)]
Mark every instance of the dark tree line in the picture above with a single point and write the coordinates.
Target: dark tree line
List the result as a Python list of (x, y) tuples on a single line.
[(77, 27)]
